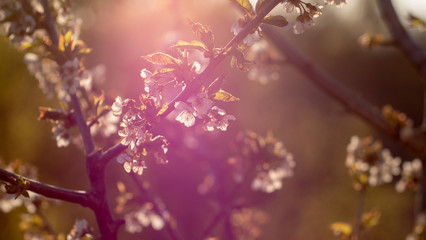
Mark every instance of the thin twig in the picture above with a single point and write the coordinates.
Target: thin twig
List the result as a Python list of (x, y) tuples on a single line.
[(73, 196), (89, 145), (358, 216), (203, 77)]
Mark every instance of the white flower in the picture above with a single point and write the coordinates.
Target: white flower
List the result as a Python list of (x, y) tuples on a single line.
[(217, 119), (143, 217), (62, 136), (80, 230), (338, 3), (132, 135), (411, 175), (130, 164), (107, 125), (69, 73), (201, 104), (145, 73), (117, 106), (185, 114)]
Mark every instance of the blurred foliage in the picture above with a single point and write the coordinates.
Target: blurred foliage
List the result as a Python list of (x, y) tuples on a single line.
[(311, 125)]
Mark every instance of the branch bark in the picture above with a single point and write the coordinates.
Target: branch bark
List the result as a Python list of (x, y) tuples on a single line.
[(332, 87), (78, 197), (413, 51)]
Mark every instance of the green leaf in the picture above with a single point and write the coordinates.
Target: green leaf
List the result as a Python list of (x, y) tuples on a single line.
[(244, 5), (278, 21), (197, 45), (224, 96), (160, 58)]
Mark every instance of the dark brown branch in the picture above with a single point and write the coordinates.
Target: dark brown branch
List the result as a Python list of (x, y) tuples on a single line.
[(108, 227), (339, 92), (50, 23), (413, 51), (82, 125), (79, 197), (112, 153)]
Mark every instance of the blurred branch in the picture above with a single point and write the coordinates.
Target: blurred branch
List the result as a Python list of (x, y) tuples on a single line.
[(79, 197), (339, 92), (413, 51), (358, 216), (50, 23), (146, 193)]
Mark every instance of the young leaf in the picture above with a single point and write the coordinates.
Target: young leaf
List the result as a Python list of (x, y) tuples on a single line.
[(245, 5), (163, 109), (197, 45), (278, 21), (341, 229), (50, 114), (160, 58), (239, 61), (224, 96), (204, 33)]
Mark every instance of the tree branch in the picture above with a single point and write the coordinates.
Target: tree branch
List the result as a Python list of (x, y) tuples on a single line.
[(79, 197), (82, 125), (112, 153), (413, 51), (202, 78), (339, 92)]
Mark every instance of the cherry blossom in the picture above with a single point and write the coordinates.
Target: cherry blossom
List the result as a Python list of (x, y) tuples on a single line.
[(217, 119), (185, 114)]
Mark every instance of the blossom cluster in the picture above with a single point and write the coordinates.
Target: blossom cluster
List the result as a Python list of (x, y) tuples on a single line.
[(80, 230), (369, 163), (265, 68), (412, 172), (143, 217), (135, 122), (306, 13), (271, 161)]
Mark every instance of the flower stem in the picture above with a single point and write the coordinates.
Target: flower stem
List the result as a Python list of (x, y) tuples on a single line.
[(358, 217)]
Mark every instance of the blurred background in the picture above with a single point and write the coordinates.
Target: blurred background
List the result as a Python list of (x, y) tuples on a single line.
[(311, 125)]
